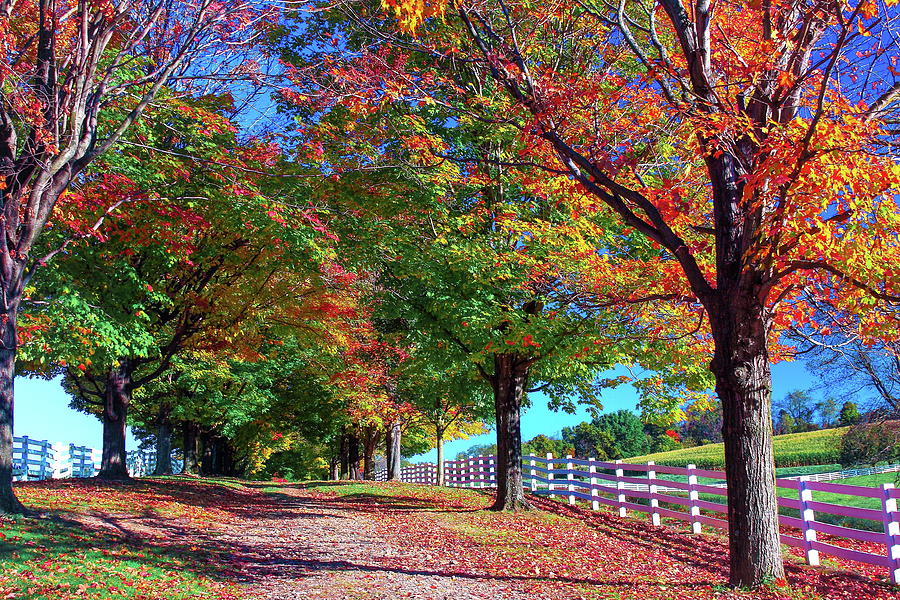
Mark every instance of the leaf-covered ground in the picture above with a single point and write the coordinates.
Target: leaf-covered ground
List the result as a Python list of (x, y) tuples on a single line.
[(182, 538)]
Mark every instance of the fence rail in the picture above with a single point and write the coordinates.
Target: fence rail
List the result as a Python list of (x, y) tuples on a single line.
[(834, 476), (688, 494), (39, 459)]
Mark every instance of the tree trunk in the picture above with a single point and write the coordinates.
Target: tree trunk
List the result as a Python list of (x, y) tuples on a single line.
[(191, 462), (207, 453), (370, 443), (335, 468), (394, 452), (509, 380), (345, 456), (228, 463), (9, 504), (163, 442), (115, 411), (353, 456), (744, 386), (388, 452), (440, 456)]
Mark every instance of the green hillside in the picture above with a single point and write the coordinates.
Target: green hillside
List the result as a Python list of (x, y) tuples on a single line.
[(793, 449)]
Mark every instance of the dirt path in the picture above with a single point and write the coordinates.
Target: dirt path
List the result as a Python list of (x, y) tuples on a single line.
[(307, 548), (385, 541)]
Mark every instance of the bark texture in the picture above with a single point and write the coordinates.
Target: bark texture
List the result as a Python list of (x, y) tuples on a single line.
[(163, 443), (9, 504), (393, 453), (440, 456), (117, 398), (370, 443), (743, 384), (344, 452), (509, 381), (353, 456), (191, 440)]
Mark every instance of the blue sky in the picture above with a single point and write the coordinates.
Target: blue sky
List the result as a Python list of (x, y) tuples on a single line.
[(539, 419), (42, 412)]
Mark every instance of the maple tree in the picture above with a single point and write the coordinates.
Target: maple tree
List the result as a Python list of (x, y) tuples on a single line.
[(480, 264), (750, 142), (76, 77), (366, 385), (151, 276), (450, 405), (161, 279)]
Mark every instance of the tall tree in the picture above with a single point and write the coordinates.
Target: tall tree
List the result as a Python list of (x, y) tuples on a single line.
[(480, 253), (77, 76), (729, 136), (449, 404)]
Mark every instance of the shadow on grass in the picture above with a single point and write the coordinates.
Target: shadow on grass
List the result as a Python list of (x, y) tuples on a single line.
[(57, 549), (252, 553), (706, 551)]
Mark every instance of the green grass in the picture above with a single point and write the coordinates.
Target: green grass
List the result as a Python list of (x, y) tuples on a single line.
[(44, 558), (361, 490), (830, 498), (866, 481), (67, 553), (791, 450), (843, 499)]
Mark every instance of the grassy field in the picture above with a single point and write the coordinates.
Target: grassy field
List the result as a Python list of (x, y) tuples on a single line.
[(830, 498), (866, 480), (68, 554), (791, 450)]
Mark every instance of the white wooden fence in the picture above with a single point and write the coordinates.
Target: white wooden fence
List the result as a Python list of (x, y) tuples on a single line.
[(834, 476), (675, 492), (421, 473), (39, 459)]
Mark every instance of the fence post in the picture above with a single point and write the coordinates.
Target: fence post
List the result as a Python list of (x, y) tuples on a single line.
[(470, 473), (26, 451), (595, 505), (15, 474), (891, 530), (60, 460), (808, 516), (693, 496), (549, 474), (492, 471), (45, 460), (654, 502), (481, 471), (571, 478), (533, 473), (620, 488)]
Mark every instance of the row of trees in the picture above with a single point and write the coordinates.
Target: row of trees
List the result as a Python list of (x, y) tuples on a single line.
[(456, 213), (732, 170)]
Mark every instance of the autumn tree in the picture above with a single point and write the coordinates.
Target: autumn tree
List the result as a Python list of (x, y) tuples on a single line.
[(449, 404), (845, 359), (480, 283), (76, 77), (750, 142), (159, 276), (478, 252)]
